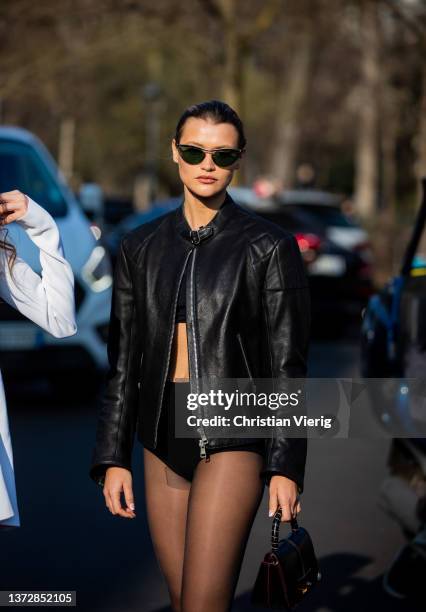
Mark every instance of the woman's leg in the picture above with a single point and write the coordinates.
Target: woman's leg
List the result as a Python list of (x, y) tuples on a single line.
[(166, 496), (224, 498)]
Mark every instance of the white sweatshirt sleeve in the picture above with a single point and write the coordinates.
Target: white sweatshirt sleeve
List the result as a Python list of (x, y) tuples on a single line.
[(47, 300)]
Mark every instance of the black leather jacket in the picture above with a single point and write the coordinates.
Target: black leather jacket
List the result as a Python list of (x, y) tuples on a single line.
[(248, 315)]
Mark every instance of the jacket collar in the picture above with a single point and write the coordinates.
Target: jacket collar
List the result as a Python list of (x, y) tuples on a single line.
[(212, 228)]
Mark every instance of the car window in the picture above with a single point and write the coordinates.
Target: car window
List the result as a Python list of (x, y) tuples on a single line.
[(294, 219), (21, 168), (287, 221), (326, 215)]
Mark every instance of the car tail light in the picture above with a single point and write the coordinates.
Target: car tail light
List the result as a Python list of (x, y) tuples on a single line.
[(308, 241), (308, 245)]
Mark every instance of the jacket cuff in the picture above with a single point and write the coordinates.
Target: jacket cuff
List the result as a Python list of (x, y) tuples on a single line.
[(286, 457), (267, 475), (99, 467)]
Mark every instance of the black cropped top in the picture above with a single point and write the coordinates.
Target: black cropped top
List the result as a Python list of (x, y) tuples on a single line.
[(181, 303)]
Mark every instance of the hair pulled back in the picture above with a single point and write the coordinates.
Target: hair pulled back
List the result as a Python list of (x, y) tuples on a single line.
[(218, 112)]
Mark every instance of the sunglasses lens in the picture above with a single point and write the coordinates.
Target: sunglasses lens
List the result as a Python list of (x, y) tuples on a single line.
[(191, 155), (226, 157)]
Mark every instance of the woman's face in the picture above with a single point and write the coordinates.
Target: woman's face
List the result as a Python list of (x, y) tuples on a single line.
[(208, 135)]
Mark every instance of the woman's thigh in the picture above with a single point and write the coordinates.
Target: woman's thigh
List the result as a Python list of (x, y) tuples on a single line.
[(166, 496), (224, 498)]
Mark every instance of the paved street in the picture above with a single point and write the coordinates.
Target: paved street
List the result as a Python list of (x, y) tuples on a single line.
[(76, 544)]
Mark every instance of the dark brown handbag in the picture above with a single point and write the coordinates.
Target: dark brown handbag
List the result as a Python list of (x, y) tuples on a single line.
[(289, 571)]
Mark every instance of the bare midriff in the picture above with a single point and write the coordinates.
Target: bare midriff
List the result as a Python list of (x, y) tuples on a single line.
[(179, 364)]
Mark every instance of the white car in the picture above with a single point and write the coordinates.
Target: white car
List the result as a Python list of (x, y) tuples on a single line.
[(25, 164)]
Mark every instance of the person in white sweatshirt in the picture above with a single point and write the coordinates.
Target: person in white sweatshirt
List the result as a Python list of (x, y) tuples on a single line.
[(47, 300)]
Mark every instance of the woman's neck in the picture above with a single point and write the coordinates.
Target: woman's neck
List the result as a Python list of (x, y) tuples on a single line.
[(200, 211)]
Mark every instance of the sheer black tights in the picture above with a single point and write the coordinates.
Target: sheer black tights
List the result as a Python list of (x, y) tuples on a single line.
[(200, 530)]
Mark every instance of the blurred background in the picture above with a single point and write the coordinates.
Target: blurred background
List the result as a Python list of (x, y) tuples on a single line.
[(332, 94)]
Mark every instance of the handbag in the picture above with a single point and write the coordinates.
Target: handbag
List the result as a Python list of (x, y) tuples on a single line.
[(289, 571)]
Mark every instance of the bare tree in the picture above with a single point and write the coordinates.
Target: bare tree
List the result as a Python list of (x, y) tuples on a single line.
[(367, 144), (291, 105), (412, 18), (238, 39)]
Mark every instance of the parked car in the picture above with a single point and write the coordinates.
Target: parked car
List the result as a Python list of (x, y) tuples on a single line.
[(335, 249), (25, 164)]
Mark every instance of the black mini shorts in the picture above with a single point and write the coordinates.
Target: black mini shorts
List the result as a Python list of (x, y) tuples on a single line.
[(183, 454)]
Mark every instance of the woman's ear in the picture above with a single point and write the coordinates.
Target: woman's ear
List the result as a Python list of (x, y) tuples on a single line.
[(175, 153)]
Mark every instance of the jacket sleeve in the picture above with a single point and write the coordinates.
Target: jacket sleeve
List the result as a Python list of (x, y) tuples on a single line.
[(46, 299), (286, 304), (117, 419)]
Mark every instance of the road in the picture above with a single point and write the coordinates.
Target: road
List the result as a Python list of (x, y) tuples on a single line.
[(68, 540)]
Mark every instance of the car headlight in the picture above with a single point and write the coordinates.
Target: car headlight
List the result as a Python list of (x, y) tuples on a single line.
[(97, 270)]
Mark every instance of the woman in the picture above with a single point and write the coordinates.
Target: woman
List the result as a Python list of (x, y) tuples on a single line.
[(47, 300), (206, 290)]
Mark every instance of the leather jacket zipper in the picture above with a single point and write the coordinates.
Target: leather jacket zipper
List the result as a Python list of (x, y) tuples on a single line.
[(140, 371), (245, 356), (193, 345), (169, 350)]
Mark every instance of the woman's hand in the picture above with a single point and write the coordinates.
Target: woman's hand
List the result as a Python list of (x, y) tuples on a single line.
[(283, 492), (118, 480), (13, 206)]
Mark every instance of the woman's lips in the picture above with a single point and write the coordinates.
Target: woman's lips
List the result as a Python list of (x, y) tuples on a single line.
[(205, 180)]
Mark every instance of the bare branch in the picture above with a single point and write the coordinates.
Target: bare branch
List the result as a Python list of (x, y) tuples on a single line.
[(410, 23)]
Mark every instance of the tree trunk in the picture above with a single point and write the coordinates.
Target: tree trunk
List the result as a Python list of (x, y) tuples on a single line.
[(292, 93), (232, 82), (237, 44), (390, 104), (420, 140), (367, 145)]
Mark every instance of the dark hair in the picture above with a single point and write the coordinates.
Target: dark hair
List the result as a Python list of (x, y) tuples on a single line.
[(8, 248), (218, 112)]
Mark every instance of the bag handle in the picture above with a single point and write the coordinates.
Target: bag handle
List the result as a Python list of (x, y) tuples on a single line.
[(276, 528)]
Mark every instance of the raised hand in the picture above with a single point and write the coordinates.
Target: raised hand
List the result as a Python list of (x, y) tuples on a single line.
[(13, 206)]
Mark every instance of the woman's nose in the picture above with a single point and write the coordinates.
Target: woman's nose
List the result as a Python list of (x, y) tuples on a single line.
[(208, 163)]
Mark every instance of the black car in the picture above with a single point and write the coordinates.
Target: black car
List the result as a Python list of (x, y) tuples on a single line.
[(335, 249)]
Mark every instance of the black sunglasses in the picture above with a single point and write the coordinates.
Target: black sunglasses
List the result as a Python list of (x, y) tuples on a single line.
[(221, 157)]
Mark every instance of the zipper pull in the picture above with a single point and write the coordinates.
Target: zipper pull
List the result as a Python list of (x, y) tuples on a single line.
[(195, 237), (202, 443)]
